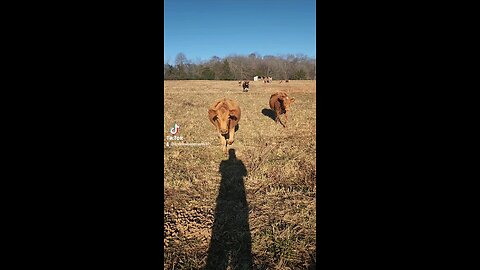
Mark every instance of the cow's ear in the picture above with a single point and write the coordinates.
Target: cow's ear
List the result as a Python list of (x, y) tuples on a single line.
[(234, 114)]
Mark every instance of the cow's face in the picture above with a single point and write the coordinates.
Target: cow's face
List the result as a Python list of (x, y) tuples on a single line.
[(286, 101), (222, 118)]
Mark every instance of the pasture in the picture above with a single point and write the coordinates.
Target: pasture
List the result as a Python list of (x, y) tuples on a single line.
[(255, 206)]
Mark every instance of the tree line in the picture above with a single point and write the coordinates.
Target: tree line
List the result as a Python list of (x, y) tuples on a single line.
[(238, 67)]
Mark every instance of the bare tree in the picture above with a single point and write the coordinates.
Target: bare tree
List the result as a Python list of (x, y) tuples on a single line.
[(180, 59)]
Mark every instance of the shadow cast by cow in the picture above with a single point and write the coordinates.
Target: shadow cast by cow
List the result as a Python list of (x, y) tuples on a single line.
[(231, 242), (270, 113)]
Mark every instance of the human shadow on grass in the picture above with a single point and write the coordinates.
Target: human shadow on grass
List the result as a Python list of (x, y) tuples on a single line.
[(270, 113), (231, 242)]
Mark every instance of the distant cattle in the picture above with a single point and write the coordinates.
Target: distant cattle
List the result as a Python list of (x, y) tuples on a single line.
[(267, 79), (286, 81), (280, 103), (246, 86), (239, 83), (225, 115)]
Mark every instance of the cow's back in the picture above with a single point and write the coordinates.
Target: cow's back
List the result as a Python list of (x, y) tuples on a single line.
[(273, 99), (233, 105)]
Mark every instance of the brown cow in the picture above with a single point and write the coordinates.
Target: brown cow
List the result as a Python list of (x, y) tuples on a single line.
[(246, 86), (280, 103), (224, 115)]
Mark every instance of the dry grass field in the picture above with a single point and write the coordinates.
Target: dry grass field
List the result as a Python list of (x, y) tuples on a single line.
[(253, 208)]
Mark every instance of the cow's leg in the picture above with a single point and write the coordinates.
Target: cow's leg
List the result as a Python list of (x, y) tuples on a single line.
[(280, 120), (231, 134), (223, 143)]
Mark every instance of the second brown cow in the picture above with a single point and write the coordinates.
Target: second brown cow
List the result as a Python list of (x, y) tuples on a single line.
[(280, 103)]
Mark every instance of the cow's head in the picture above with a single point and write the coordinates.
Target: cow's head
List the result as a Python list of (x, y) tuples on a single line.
[(285, 101), (223, 118)]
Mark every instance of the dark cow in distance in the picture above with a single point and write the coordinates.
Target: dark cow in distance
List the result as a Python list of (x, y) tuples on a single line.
[(280, 103), (246, 86)]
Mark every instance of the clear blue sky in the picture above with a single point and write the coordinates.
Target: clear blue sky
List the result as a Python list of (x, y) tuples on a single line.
[(204, 28)]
